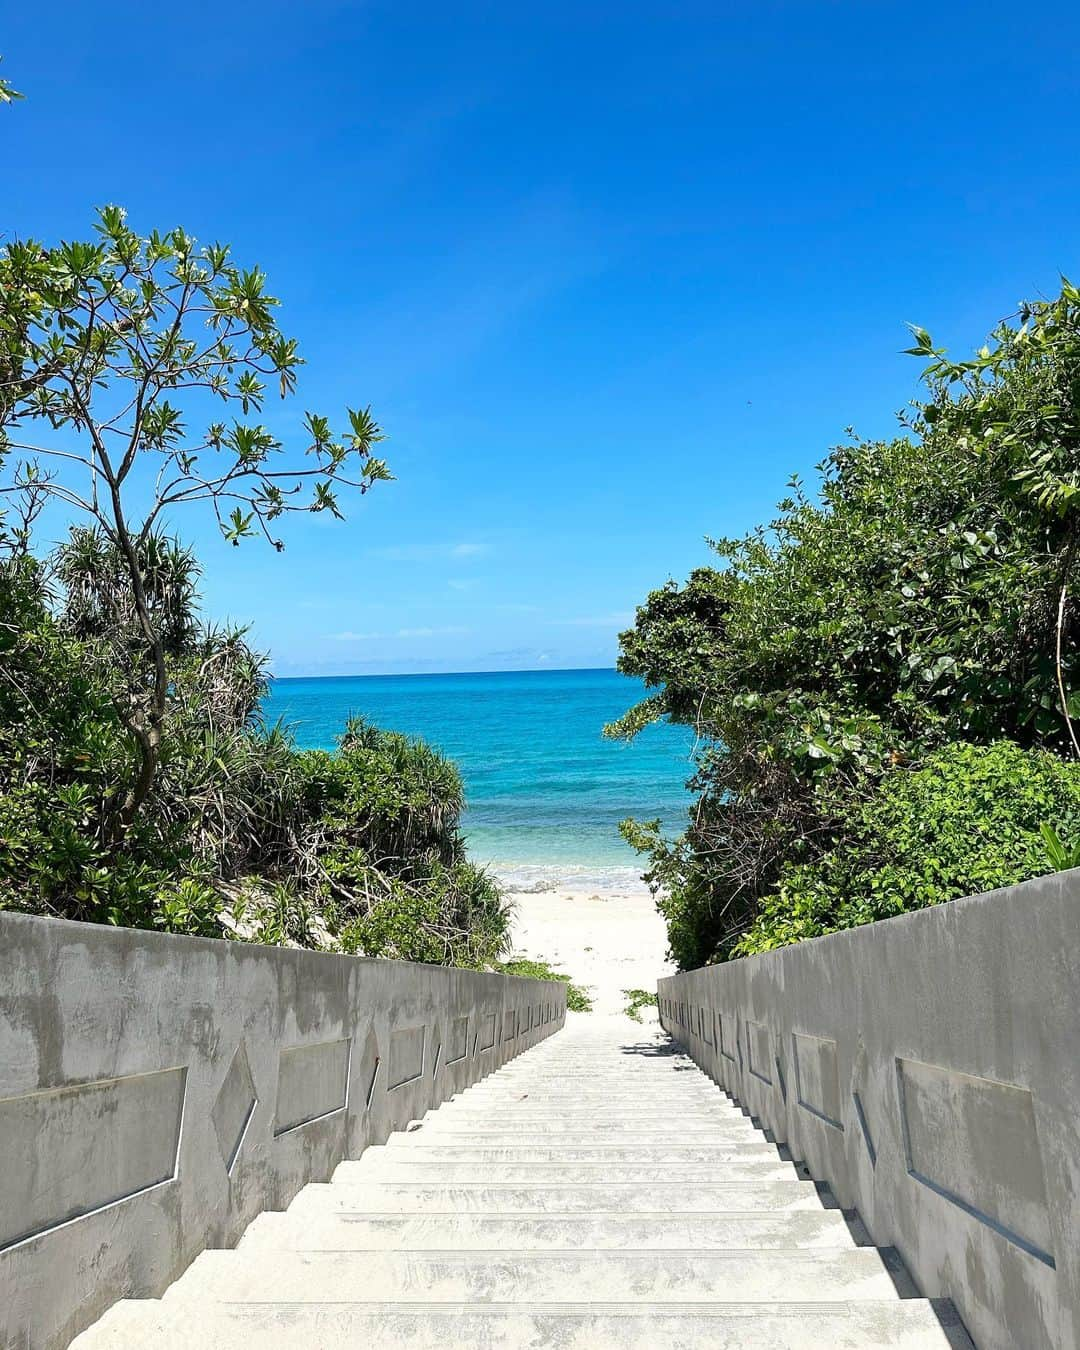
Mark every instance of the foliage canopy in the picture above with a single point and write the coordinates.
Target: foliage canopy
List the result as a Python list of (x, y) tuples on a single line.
[(241, 833), (921, 598), (139, 784), (132, 369)]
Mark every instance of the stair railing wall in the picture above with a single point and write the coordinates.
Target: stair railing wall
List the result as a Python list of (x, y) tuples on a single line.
[(928, 1069), (158, 1092)]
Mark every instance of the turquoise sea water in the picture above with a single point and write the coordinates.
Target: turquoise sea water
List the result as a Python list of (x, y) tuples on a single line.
[(545, 790)]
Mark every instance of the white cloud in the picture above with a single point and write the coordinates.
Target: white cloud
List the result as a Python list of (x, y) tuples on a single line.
[(446, 629), (521, 654), (428, 552)]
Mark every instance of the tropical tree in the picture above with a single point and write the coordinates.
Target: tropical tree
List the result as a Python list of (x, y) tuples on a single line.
[(132, 372), (242, 834), (1017, 401), (922, 596)]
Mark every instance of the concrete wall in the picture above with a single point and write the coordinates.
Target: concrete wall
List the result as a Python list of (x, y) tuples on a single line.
[(157, 1092), (928, 1069)]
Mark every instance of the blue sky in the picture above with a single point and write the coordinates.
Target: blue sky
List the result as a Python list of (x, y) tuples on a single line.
[(607, 273)]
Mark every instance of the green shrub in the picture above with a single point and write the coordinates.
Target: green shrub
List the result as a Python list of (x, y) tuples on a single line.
[(967, 820), (577, 1000), (636, 999), (241, 833), (922, 593)]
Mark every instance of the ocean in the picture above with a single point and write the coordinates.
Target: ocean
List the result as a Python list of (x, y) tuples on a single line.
[(545, 791)]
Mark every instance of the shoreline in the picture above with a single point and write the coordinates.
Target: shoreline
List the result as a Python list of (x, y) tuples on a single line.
[(535, 878)]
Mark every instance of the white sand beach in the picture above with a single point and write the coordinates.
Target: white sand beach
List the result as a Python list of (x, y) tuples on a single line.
[(607, 941)]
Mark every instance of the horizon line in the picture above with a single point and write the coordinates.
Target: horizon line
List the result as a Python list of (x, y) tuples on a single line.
[(434, 674)]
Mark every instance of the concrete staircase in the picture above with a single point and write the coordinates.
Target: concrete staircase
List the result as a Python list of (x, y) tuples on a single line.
[(597, 1191)]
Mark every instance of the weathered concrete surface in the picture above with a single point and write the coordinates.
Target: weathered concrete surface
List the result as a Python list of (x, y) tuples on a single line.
[(435, 1239), (157, 1093), (928, 1069)]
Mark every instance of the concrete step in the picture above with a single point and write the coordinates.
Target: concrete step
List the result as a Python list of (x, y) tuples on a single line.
[(596, 1069), (434, 1151), (621, 1080), (519, 1115), (402, 1168), (582, 1137), (540, 1276), (564, 1087), (620, 1074), (600, 1064), (555, 1078), (652, 1107), (495, 1123), (341, 1231), (568, 1089), (646, 1095), (594, 1059), (597, 1197), (555, 1083), (515, 1115), (641, 1092), (916, 1324)]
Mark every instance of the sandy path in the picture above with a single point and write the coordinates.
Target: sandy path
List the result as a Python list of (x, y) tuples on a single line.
[(607, 943)]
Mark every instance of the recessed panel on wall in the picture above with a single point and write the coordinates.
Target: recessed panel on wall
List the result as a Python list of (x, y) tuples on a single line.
[(406, 1055), (509, 1024), (486, 1032), (817, 1082), (458, 1040), (974, 1142), (70, 1151), (727, 1035), (757, 1045), (313, 1081), (233, 1107)]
